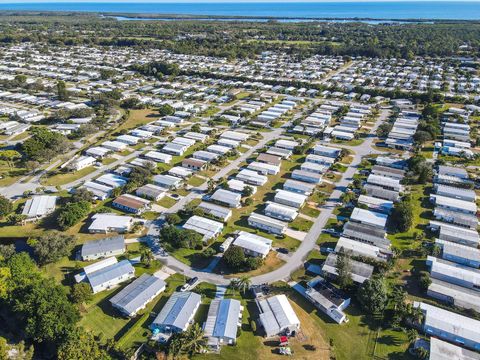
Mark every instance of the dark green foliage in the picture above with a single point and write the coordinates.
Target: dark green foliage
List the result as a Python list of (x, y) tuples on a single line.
[(236, 260), (165, 110), (44, 145), (51, 246), (41, 306), (5, 206), (424, 280), (372, 295), (419, 170), (181, 238), (402, 215), (81, 293), (81, 345), (72, 213)]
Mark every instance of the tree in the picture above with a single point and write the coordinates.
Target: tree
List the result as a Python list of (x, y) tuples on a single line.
[(173, 219), (147, 257), (6, 251), (384, 129), (372, 295), (242, 284), (81, 345), (189, 342), (52, 246), (196, 127), (72, 213), (48, 314), (165, 110), (5, 275), (62, 91), (234, 258), (344, 270), (247, 191), (3, 349), (5, 206), (10, 156), (402, 215), (424, 280), (421, 353), (412, 335), (44, 145), (81, 293), (421, 137), (181, 238), (82, 194)]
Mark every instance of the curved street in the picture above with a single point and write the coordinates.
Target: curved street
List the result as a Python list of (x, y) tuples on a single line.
[(296, 259)]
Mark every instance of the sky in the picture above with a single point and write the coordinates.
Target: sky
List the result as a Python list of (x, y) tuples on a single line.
[(208, 1)]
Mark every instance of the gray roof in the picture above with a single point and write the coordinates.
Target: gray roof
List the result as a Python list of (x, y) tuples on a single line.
[(442, 350), (215, 210), (138, 293), (450, 322), (103, 245), (178, 309), (360, 271), (39, 206), (459, 250), (223, 317), (110, 272)]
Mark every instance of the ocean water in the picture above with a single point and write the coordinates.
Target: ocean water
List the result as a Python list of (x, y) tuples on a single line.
[(455, 10)]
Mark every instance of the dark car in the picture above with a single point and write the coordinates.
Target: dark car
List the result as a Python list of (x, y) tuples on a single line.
[(283, 250)]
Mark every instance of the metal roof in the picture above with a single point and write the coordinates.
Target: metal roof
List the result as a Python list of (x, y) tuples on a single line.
[(138, 293), (253, 242), (450, 322), (110, 272), (442, 350), (178, 310), (40, 205), (207, 227), (370, 217), (223, 317), (277, 314), (104, 245), (360, 271)]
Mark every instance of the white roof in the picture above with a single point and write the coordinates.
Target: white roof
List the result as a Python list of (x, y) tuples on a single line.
[(40, 205), (442, 350), (450, 322), (369, 217), (207, 227), (109, 221), (277, 314), (253, 242)]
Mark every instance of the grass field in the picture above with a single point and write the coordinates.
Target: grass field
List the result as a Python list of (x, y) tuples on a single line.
[(310, 211), (196, 181), (138, 118), (167, 202), (65, 178), (301, 224)]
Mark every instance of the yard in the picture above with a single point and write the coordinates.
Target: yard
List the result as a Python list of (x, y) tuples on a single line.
[(68, 177), (196, 181), (166, 202), (301, 224)]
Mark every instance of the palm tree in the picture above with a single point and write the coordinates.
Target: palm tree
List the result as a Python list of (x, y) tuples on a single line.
[(412, 335), (244, 283), (194, 342), (147, 257), (416, 315)]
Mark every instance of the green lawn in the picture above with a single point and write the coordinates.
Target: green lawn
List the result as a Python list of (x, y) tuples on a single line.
[(301, 224), (167, 202), (309, 211), (65, 178), (196, 181)]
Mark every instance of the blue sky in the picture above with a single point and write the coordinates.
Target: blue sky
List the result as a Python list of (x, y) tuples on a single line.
[(204, 1)]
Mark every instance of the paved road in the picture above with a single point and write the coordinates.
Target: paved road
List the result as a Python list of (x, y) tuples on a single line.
[(296, 260)]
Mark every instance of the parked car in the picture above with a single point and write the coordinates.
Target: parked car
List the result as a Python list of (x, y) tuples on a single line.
[(190, 284)]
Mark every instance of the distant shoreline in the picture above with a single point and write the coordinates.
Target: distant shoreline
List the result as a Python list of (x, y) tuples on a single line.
[(169, 17), (334, 11)]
